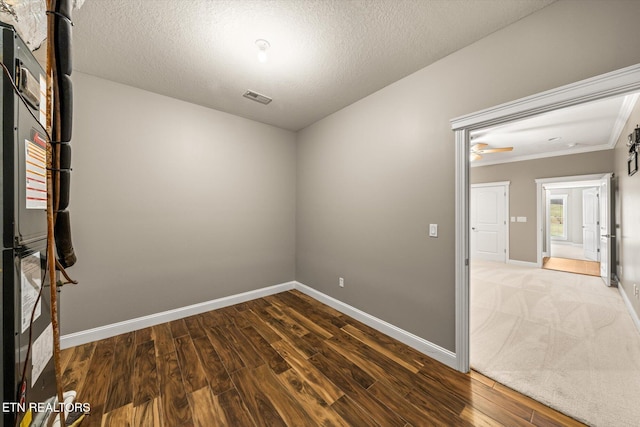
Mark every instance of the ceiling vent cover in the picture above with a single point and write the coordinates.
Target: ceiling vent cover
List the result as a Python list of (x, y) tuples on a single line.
[(255, 96)]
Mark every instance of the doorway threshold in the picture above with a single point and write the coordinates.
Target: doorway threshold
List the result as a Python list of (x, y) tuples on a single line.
[(577, 266)]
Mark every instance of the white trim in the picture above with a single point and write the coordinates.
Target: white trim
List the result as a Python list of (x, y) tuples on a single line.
[(432, 350), (507, 222), (623, 117), (522, 263), (627, 302), (106, 331), (620, 82), (462, 193), (492, 184), (541, 213), (564, 181)]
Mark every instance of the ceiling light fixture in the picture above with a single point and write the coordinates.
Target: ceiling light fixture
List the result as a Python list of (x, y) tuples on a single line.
[(263, 45)]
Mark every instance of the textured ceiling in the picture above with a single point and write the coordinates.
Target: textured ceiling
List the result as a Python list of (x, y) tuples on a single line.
[(587, 127), (324, 55)]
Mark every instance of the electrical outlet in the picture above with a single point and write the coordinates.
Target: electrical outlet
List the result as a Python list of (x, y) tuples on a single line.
[(341, 282)]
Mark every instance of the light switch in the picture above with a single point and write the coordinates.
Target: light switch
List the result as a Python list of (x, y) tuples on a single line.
[(522, 219), (433, 230)]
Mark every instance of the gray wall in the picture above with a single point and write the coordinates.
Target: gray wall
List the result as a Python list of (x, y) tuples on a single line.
[(172, 204), (628, 215), (522, 192), (372, 176)]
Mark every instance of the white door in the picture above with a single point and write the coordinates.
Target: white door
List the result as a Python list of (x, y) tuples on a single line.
[(590, 227), (488, 223), (606, 229)]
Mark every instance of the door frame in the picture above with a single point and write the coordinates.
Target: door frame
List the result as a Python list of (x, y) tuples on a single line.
[(542, 184), (615, 83), (505, 185), (594, 204), (608, 226)]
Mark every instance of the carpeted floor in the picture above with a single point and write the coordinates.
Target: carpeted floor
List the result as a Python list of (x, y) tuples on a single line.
[(564, 339)]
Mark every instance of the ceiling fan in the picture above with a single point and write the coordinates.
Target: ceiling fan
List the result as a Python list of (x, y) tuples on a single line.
[(481, 148)]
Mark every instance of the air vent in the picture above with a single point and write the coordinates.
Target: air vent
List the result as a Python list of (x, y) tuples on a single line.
[(255, 96)]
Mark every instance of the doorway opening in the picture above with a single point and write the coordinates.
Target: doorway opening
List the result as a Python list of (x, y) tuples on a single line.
[(533, 344), (575, 225), (617, 83), (575, 234)]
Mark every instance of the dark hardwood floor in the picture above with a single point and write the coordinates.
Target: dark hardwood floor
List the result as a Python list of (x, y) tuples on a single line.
[(282, 360)]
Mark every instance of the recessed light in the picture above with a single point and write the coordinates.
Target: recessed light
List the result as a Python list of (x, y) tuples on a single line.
[(263, 45), (571, 145)]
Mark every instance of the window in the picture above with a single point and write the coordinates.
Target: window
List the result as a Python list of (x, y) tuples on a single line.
[(558, 217)]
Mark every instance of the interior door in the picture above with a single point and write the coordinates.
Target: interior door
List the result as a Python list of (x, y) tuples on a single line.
[(606, 228), (488, 223), (590, 227)]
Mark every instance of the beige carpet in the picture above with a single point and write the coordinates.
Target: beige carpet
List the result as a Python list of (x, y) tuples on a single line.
[(564, 339)]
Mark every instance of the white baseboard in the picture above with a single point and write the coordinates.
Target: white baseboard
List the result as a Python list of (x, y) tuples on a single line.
[(566, 243), (102, 332), (627, 302), (432, 350), (522, 263)]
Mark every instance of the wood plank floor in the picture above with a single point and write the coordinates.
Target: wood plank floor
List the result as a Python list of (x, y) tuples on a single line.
[(578, 266), (282, 360)]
